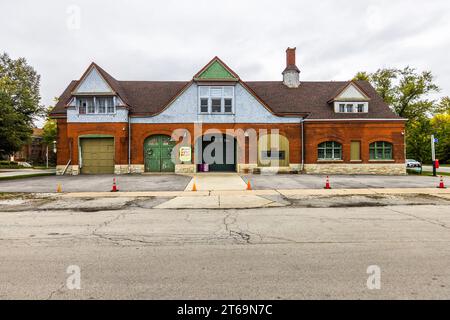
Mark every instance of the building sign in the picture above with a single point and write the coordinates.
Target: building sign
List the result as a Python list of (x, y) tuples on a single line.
[(185, 154)]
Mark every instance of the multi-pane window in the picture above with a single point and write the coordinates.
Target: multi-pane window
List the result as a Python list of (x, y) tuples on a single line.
[(380, 150), (228, 105), (216, 105), (82, 106), (351, 107), (215, 99), (86, 105), (110, 105), (204, 105), (93, 105), (329, 150), (101, 105)]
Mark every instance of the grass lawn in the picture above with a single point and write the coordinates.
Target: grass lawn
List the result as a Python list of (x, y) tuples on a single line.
[(24, 176), (430, 173)]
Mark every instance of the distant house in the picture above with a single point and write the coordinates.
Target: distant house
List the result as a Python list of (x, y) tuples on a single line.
[(33, 152), (110, 126)]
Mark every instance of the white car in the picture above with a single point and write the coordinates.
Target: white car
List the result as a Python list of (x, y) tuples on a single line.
[(413, 164)]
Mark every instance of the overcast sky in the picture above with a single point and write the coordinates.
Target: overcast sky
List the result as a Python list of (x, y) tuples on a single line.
[(172, 40)]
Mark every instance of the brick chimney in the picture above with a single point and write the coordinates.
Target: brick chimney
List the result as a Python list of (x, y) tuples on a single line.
[(291, 75)]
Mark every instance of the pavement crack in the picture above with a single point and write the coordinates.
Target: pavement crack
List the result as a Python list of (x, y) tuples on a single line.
[(58, 290), (438, 223)]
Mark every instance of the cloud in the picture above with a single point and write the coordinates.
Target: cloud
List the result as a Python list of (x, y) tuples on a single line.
[(172, 40)]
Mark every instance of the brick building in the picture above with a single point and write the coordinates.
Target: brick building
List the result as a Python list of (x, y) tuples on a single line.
[(218, 122)]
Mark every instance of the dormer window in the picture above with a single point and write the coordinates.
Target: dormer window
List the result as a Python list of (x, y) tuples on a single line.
[(215, 99), (96, 105), (351, 107)]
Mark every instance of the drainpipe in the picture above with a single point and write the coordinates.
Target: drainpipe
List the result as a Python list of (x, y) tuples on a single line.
[(129, 144), (303, 144)]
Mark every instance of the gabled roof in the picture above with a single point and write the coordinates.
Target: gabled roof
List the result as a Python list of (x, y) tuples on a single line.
[(363, 96), (312, 97), (148, 98), (216, 70)]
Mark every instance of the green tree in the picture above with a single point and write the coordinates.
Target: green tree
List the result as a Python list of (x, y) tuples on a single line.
[(440, 125), (405, 90), (49, 130), (19, 103), (418, 144)]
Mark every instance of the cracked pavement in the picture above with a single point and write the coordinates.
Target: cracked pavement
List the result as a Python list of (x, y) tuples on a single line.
[(315, 247)]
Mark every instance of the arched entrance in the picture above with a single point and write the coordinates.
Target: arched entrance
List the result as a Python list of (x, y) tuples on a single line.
[(158, 154), (218, 151)]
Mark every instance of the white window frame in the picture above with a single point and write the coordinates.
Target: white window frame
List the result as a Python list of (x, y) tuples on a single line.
[(354, 108), (79, 101), (222, 99)]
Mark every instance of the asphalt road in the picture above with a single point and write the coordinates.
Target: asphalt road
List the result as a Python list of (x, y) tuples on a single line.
[(270, 253), (176, 182)]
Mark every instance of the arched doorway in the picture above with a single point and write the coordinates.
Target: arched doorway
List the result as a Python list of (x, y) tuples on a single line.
[(158, 154), (218, 151)]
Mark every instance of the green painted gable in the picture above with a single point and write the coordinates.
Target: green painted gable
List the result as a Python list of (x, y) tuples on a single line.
[(216, 71)]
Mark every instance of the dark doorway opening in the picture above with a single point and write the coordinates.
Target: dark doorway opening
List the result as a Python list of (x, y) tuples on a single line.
[(219, 152)]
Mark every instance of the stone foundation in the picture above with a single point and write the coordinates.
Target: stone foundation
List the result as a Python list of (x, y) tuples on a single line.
[(356, 168), (245, 167), (71, 170), (123, 168), (185, 168)]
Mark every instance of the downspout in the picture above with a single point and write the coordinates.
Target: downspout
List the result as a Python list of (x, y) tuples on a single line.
[(303, 145), (129, 143)]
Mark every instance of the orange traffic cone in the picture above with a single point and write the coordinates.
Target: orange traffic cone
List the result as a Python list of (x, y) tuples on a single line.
[(114, 187), (194, 187), (327, 184), (249, 186), (58, 188), (441, 183)]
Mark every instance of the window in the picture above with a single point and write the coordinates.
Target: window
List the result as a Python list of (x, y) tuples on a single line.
[(351, 107), (216, 105), (93, 105), (110, 105), (216, 99), (330, 150), (86, 105), (101, 105), (82, 105), (380, 150), (204, 105), (228, 105)]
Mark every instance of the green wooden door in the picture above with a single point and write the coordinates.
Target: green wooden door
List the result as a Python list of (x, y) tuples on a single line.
[(158, 154)]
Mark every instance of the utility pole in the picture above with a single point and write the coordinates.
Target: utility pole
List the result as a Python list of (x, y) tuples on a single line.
[(433, 155)]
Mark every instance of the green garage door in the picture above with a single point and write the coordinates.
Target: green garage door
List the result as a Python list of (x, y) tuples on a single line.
[(97, 155), (158, 154)]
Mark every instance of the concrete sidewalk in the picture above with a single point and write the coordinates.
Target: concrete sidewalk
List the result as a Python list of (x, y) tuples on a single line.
[(212, 181), (239, 199), (24, 172)]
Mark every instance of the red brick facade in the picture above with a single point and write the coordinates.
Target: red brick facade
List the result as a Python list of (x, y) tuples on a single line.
[(316, 132), (345, 132)]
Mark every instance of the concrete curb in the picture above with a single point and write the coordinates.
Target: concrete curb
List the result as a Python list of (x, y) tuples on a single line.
[(286, 192)]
